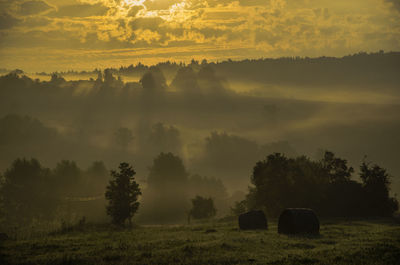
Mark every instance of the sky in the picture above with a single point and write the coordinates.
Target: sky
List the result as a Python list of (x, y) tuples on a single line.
[(58, 35)]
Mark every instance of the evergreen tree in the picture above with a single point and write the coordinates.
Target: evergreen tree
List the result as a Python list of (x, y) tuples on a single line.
[(122, 194)]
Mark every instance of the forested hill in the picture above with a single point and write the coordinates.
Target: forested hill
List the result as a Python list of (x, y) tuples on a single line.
[(362, 69), (358, 69)]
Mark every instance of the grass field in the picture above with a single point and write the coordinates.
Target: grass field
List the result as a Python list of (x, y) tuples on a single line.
[(340, 242)]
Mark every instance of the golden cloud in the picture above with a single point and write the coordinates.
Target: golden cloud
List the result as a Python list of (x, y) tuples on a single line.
[(230, 29)]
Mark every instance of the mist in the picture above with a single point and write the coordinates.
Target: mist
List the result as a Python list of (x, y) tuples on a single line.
[(215, 120)]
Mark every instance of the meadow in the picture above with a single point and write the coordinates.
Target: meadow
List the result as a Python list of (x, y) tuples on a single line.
[(374, 241)]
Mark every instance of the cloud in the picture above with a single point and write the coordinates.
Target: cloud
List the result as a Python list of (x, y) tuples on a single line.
[(395, 4), (8, 21), (151, 23), (233, 29), (33, 7), (81, 10), (160, 5), (134, 10), (36, 22)]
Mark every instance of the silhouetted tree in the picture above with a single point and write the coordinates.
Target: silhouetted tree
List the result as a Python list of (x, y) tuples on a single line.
[(68, 177), (154, 80), (186, 81), (122, 194), (56, 79), (27, 193), (227, 155), (325, 186), (376, 183), (109, 79), (163, 138), (167, 169), (271, 179), (210, 187), (209, 81), (337, 168), (202, 208), (281, 182), (166, 196)]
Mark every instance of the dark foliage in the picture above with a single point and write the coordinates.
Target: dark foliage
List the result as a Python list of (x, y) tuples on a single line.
[(376, 183), (32, 194), (202, 208), (337, 168), (356, 69), (166, 198), (209, 187), (167, 168), (122, 194), (326, 186), (26, 192)]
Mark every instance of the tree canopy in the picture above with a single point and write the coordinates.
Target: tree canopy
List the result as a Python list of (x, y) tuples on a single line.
[(202, 208), (326, 186), (122, 195)]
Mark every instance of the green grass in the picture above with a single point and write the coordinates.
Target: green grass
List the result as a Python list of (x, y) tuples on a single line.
[(340, 242)]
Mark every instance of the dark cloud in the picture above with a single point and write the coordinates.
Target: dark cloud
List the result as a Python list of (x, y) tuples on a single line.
[(8, 21), (82, 10), (253, 2), (152, 23), (33, 7), (134, 10), (36, 21), (395, 3)]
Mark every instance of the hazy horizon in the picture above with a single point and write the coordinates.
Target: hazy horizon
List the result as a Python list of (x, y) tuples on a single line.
[(221, 86), (204, 112), (54, 35)]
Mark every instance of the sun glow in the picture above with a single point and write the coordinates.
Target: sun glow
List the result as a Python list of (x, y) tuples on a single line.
[(134, 2)]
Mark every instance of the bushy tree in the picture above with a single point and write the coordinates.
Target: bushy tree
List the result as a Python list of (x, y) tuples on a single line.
[(68, 178), (163, 138), (122, 194), (337, 168), (26, 192), (326, 186), (202, 208), (281, 182), (210, 187), (166, 197), (167, 169), (376, 183)]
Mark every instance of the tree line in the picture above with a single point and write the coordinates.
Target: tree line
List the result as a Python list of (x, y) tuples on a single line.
[(356, 69), (328, 186), (280, 182), (30, 191)]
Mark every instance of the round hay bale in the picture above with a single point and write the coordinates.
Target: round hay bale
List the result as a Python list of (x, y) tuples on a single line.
[(298, 221), (253, 220)]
